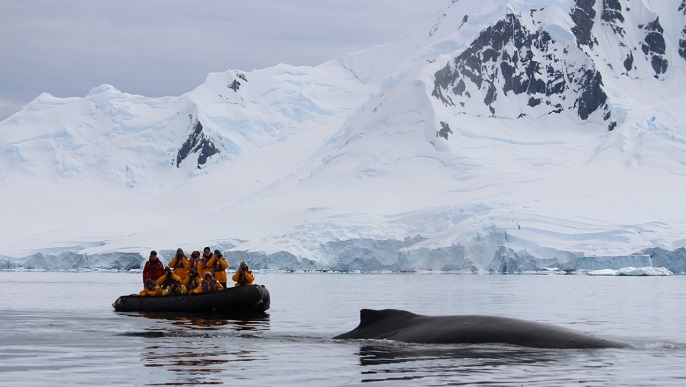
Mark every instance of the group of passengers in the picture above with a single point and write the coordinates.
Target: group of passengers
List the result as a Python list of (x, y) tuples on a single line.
[(197, 274)]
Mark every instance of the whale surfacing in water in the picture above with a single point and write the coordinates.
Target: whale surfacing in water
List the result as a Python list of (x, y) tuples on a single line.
[(400, 325)]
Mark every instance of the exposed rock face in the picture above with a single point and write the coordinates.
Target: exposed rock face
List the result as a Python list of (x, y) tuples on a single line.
[(509, 71), (515, 68), (236, 84), (444, 131), (623, 17), (612, 15), (654, 46), (583, 15), (197, 143)]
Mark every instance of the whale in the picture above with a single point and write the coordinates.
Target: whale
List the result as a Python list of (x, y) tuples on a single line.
[(408, 327)]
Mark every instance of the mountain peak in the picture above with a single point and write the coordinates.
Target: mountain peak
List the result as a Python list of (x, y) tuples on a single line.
[(103, 89), (485, 131)]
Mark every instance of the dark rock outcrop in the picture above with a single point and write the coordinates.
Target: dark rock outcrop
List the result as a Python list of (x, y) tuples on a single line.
[(507, 60), (583, 16), (654, 46), (652, 43), (197, 143)]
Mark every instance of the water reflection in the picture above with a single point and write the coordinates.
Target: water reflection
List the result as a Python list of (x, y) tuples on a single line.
[(203, 322), (398, 361), (190, 363), (199, 349)]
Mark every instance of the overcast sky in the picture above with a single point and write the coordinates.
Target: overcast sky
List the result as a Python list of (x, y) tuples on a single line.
[(167, 47)]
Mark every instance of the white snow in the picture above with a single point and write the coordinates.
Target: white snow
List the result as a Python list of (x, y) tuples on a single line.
[(348, 151), (632, 271)]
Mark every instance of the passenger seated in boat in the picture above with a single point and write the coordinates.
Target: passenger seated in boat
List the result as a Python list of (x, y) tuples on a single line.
[(151, 289), (208, 284), (175, 289), (243, 276), (180, 264), (219, 268), (168, 278), (206, 262), (193, 280)]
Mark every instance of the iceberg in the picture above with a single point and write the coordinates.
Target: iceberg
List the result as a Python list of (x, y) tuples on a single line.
[(632, 271)]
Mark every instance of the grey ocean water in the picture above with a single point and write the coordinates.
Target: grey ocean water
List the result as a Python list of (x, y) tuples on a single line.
[(59, 329)]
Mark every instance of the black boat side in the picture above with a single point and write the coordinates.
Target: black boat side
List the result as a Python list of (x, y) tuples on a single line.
[(234, 300)]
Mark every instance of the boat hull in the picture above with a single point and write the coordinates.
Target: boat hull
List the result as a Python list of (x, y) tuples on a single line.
[(234, 300)]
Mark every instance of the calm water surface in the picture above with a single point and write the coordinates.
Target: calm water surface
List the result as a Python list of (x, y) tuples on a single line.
[(60, 329)]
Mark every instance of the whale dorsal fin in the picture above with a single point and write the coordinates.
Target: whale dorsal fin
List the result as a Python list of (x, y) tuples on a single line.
[(372, 316)]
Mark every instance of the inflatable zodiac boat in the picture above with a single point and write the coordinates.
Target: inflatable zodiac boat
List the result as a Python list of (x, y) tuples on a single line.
[(234, 300)]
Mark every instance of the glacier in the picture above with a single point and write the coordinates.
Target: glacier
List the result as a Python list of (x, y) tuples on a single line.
[(508, 137)]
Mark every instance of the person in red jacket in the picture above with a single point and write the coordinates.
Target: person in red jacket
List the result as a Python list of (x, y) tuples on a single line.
[(154, 268)]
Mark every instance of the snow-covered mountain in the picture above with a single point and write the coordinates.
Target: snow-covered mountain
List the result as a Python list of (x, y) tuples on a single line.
[(514, 131)]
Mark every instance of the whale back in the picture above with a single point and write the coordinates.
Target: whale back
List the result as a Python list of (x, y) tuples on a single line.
[(373, 323), (370, 317), (404, 326)]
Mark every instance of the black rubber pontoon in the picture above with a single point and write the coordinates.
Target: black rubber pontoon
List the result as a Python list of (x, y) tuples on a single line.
[(234, 300)]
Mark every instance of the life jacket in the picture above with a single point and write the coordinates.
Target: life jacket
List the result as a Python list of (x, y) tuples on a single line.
[(168, 280), (179, 262), (179, 290), (209, 287), (217, 265), (192, 283)]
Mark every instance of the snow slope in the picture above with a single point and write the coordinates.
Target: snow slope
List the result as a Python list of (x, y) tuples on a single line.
[(516, 127)]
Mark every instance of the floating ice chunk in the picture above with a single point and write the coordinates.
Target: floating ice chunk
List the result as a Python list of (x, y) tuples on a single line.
[(632, 271)]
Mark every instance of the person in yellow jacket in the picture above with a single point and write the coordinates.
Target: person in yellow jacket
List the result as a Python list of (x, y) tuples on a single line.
[(219, 268), (168, 278), (180, 264), (193, 280), (175, 289), (151, 288), (208, 284), (243, 276), (206, 262), (194, 261)]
